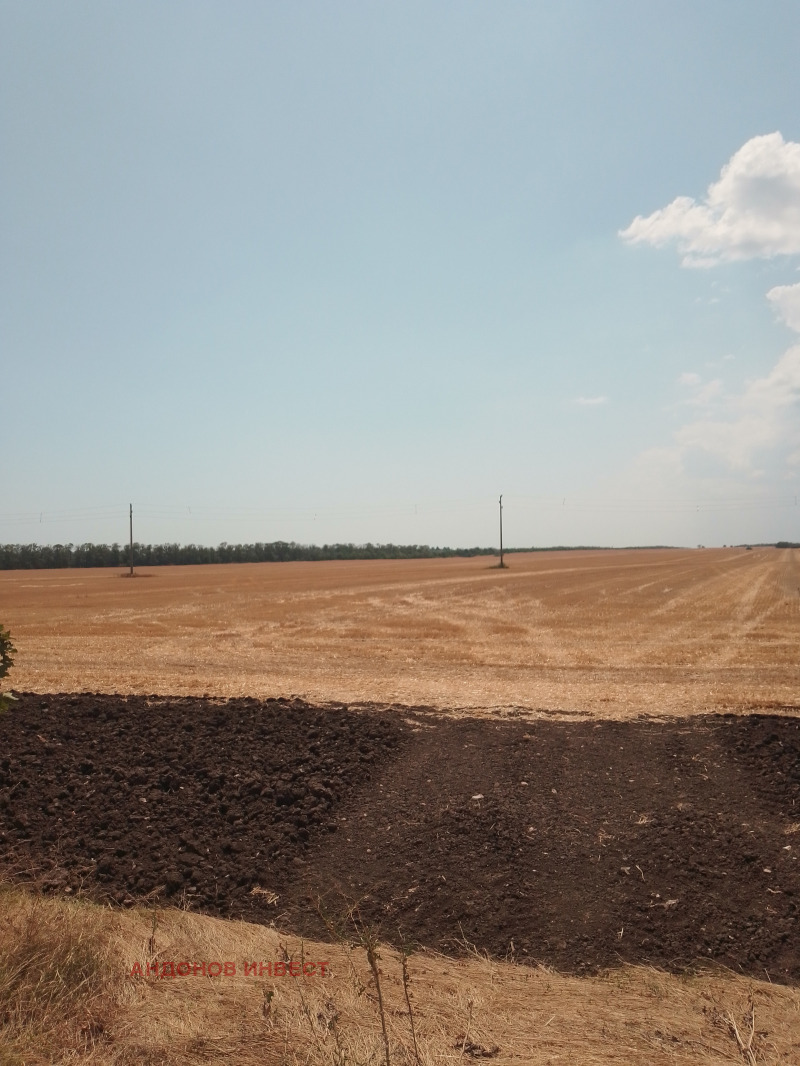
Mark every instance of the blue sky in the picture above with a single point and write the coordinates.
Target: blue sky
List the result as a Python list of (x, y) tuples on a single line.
[(348, 271)]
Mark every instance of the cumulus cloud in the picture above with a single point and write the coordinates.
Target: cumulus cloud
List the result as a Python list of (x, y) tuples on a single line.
[(786, 301), (590, 401), (751, 212)]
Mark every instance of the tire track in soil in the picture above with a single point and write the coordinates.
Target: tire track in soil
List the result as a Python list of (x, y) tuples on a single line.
[(732, 596), (668, 841), (754, 602)]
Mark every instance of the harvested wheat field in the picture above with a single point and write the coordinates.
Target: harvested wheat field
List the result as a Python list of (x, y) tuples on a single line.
[(586, 766), (604, 633)]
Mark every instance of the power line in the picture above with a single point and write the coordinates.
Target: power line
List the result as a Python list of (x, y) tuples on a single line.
[(205, 513)]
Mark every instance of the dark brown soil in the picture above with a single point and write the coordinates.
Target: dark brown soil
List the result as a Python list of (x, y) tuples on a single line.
[(578, 844)]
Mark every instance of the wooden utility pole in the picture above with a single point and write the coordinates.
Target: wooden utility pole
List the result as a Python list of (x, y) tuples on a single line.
[(502, 564), (131, 518)]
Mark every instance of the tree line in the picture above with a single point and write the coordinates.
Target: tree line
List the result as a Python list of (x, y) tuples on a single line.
[(63, 556)]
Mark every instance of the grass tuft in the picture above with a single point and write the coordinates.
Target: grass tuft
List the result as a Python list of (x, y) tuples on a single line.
[(55, 977)]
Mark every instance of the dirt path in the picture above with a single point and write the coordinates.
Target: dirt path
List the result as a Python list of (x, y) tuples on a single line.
[(580, 844)]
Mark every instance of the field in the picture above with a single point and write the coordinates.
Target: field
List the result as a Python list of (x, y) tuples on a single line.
[(608, 634), (586, 766)]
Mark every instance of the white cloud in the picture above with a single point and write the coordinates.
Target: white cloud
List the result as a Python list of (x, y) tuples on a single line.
[(590, 401), (752, 212), (703, 395), (786, 300), (762, 421), (700, 394)]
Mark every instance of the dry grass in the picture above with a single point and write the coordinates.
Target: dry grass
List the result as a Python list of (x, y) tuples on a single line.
[(608, 634), (57, 979), (68, 997)]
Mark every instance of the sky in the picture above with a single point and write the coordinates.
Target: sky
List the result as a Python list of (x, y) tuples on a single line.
[(348, 272)]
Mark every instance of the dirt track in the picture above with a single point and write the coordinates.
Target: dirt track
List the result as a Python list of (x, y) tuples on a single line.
[(578, 844), (609, 634)]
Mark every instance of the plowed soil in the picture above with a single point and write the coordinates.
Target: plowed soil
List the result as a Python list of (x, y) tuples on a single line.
[(580, 844)]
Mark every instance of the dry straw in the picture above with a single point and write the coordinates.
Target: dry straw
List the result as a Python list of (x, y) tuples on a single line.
[(66, 996)]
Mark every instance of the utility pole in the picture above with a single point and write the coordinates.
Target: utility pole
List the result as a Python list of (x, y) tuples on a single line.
[(131, 518), (502, 564)]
